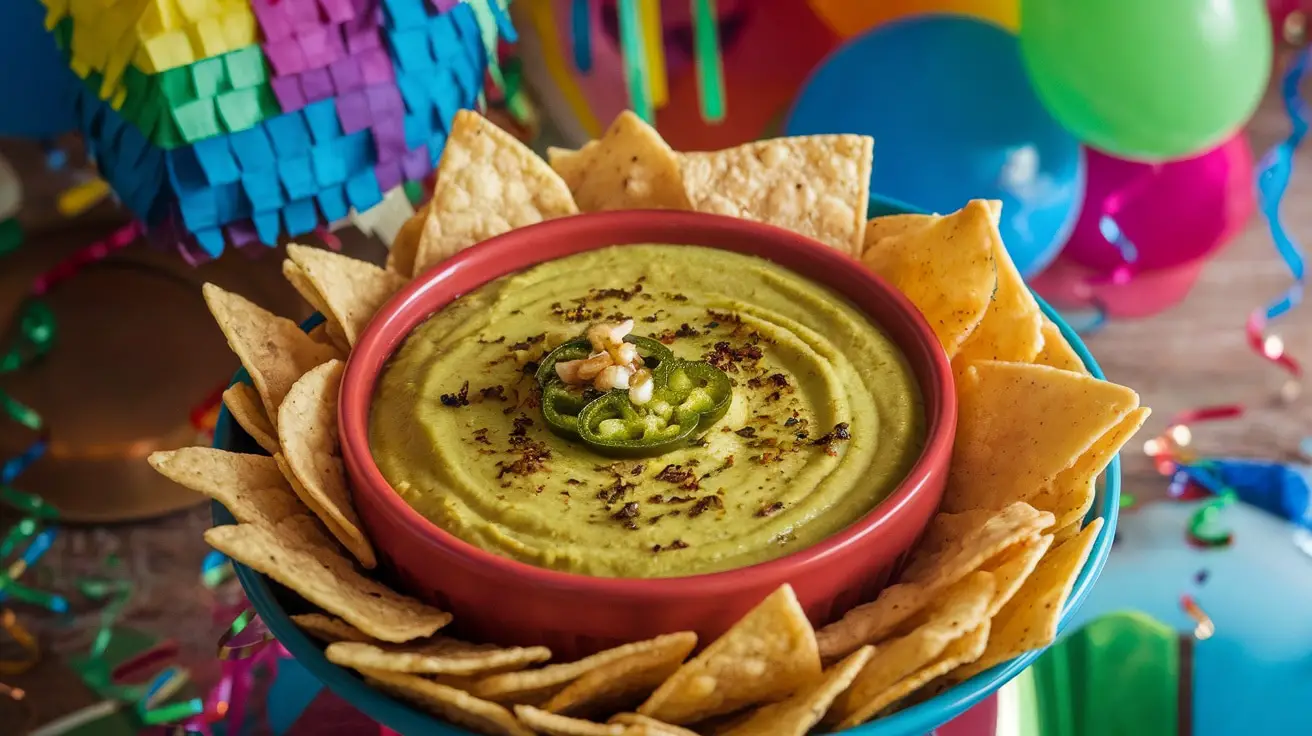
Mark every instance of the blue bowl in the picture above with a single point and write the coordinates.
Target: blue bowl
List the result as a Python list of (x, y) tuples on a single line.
[(276, 604)]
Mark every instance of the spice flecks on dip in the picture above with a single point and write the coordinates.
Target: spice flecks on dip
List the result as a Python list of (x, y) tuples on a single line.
[(825, 418)]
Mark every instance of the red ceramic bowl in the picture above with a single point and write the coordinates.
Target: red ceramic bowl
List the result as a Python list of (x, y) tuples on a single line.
[(501, 600)]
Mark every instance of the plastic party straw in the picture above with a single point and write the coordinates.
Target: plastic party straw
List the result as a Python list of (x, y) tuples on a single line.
[(710, 65), (580, 32), (654, 44), (635, 60)]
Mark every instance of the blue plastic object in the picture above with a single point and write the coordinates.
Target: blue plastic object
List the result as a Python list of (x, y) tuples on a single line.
[(954, 118), (275, 604)]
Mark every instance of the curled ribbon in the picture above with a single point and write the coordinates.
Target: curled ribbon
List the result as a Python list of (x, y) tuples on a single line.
[(25, 641), (1170, 451), (1275, 170), (18, 696)]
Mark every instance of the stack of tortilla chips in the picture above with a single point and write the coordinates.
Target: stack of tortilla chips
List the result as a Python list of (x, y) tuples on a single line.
[(988, 582)]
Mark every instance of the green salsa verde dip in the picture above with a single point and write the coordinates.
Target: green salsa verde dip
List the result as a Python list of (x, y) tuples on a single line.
[(826, 417)]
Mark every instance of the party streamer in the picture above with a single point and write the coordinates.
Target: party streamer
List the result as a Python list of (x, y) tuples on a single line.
[(710, 65), (36, 336), (654, 46), (1273, 177), (1096, 317), (1170, 451), (580, 28), (541, 15), (636, 72), (1203, 625)]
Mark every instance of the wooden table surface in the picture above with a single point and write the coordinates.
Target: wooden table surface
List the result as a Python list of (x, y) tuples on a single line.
[(1191, 355)]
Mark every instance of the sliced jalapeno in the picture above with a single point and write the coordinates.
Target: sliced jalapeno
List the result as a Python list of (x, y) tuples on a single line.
[(561, 405), (693, 388), (612, 426), (689, 398)]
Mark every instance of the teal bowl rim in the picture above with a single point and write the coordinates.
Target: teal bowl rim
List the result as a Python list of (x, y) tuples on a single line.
[(914, 721)]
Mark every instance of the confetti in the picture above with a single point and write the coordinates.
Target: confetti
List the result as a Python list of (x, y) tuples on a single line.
[(1170, 451), (1203, 626), (23, 640), (1205, 530)]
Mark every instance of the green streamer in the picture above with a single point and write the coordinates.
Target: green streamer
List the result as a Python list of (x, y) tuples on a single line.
[(635, 61), (710, 64)]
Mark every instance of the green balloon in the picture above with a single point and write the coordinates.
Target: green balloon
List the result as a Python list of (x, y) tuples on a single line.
[(1150, 80)]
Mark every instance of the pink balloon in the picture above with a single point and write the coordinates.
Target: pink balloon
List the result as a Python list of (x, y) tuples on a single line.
[(1068, 285), (1173, 213)]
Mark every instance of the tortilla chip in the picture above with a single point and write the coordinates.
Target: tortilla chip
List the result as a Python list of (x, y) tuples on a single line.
[(319, 333), (943, 530), (554, 724), (1066, 532), (964, 650), (892, 226), (571, 164), (797, 715), (401, 256), (307, 428), (274, 350), (488, 183), (1071, 495), (960, 609), (630, 168), (1010, 567), (625, 682), (871, 622), (249, 486), (246, 409), (328, 580), (816, 185), (1012, 328), (1013, 566), (352, 291), (534, 687), (329, 629), (1019, 425), (1029, 620), (640, 725), (1057, 352), (456, 706), (437, 656), (946, 270), (768, 655), (300, 281)]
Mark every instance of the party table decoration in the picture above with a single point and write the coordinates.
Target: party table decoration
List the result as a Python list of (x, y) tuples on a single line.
[(1248, 672), (715, 74), (235, 121), (1152, 81)]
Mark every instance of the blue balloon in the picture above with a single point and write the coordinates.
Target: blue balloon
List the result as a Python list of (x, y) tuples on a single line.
[(36, 87), (954, 118)]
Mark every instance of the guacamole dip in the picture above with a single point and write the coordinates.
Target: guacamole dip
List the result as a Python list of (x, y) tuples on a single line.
[(825, 417)]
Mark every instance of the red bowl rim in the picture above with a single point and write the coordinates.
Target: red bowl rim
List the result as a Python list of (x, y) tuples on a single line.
[(499, 257)]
